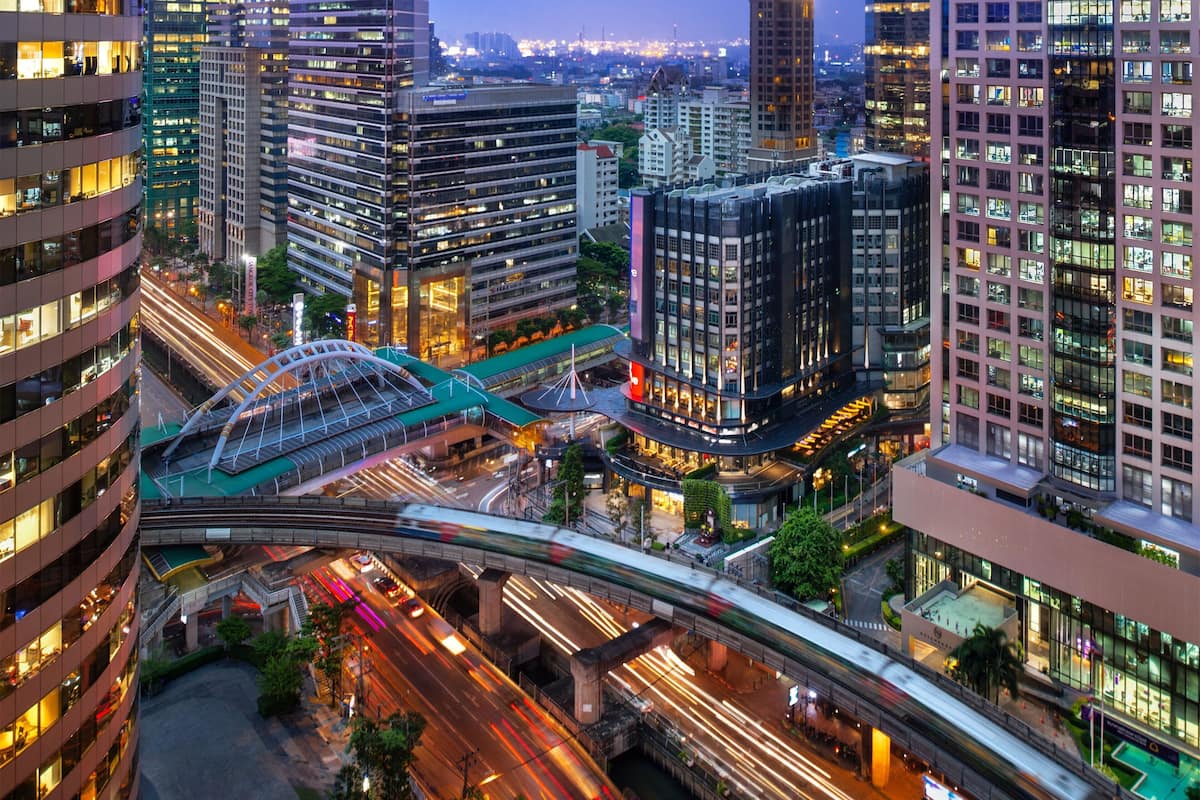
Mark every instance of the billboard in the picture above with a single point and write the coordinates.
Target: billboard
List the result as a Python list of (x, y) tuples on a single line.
[(250, 302), (298, 318), (351, 321), (636, 260)]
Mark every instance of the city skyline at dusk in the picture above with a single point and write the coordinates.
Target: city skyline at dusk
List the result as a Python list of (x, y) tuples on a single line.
[(715, 20)]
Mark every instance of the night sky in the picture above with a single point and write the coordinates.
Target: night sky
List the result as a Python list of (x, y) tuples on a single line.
[(626, 19)]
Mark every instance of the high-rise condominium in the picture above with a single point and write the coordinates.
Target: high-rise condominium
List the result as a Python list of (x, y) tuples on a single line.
[(897, 78), (1067, 388), (346, 66), (70, 241), (174, 34), (781, 83), (243, 131)]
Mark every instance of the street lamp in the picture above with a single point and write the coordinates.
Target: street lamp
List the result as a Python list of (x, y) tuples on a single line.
[(366, 786)]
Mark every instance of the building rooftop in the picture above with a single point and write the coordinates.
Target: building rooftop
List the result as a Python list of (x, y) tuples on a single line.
[(990, 468), (539, 354)]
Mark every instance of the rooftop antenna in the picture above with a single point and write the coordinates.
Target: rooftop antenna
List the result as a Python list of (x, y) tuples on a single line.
[(675, 36)]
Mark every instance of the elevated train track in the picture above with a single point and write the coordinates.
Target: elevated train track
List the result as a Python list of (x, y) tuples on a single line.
[(987, 753)]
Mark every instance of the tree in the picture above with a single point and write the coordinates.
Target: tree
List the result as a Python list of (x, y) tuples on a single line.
[(383, 752), (806, 555), (324, 626), (988, 661), (567, 505), (269, 644), (233, 631), (895, 572), (347, 784), (325, 315), (220, 278), (617, 505), (279, 685), (247, 322), (274, 276)]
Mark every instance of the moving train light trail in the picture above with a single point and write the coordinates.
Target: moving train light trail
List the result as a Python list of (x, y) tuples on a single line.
[(763, 764), (938, 719)]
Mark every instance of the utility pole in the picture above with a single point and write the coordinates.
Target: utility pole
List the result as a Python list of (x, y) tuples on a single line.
[(465, 765)]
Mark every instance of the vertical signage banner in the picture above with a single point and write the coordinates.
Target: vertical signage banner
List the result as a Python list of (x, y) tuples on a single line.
[(298, 318), (636, 260), (250, 306), (351, 321)]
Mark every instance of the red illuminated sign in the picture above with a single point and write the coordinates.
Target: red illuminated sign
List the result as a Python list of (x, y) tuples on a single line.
[(637, 377)]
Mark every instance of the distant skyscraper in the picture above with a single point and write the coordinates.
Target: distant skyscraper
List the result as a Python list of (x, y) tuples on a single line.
[(347, 63), (243, 132), (174, 34), (897, 78), (70, 252), (781, 82)]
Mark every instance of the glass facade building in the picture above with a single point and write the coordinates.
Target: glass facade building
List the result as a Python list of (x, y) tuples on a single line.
[(896, 53), (1062, 464), (489, 232), (70, 243), (782, 84), (174, 34), (348, 63)]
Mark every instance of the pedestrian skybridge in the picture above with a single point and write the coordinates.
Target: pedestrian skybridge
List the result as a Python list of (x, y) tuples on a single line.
[(343, 403)]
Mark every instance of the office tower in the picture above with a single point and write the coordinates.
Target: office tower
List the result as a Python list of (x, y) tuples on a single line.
[(718, 124), (174, 34), (243, 131), (665, 158), (781, 83), (1065, 432), (897, 78), (70, 246), (596, 186), (890, 276), (346, 67), (738, 324), (488, 206)]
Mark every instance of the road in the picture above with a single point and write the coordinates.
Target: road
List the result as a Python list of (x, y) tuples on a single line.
[(159, 400), (216, 353), (737, 728), (738, 731), (469, 706), (863, 589)]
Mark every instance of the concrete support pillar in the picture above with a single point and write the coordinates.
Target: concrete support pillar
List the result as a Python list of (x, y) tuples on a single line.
[(191, 632), (876, 759), (282, 620), (491, 600), (589, 694), (718, 656), (226, 606)]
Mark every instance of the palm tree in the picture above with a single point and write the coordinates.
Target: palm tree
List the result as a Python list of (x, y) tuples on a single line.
[(989, 661)]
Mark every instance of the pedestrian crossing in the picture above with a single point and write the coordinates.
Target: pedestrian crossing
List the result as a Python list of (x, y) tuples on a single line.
[(869, 626)]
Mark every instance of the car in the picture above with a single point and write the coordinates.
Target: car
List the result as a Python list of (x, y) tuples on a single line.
[(363, 562), (386, 586), (413, 607)]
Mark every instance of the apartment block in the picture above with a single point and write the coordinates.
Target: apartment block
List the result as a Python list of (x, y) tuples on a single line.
[(1061, 473), (596, 186)]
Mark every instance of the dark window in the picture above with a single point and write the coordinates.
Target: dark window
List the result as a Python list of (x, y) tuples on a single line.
[(1177, 457), (1029, 12), (1138, 446), (997, 12), (967, 12), (1136, 414), (1030, 414), (1177, 425), (1030, 126)]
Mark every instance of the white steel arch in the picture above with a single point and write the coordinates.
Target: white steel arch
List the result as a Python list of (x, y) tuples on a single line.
[(287, 361)]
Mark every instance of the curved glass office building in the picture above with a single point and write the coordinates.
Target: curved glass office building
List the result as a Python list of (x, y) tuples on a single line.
[(70, 238)]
